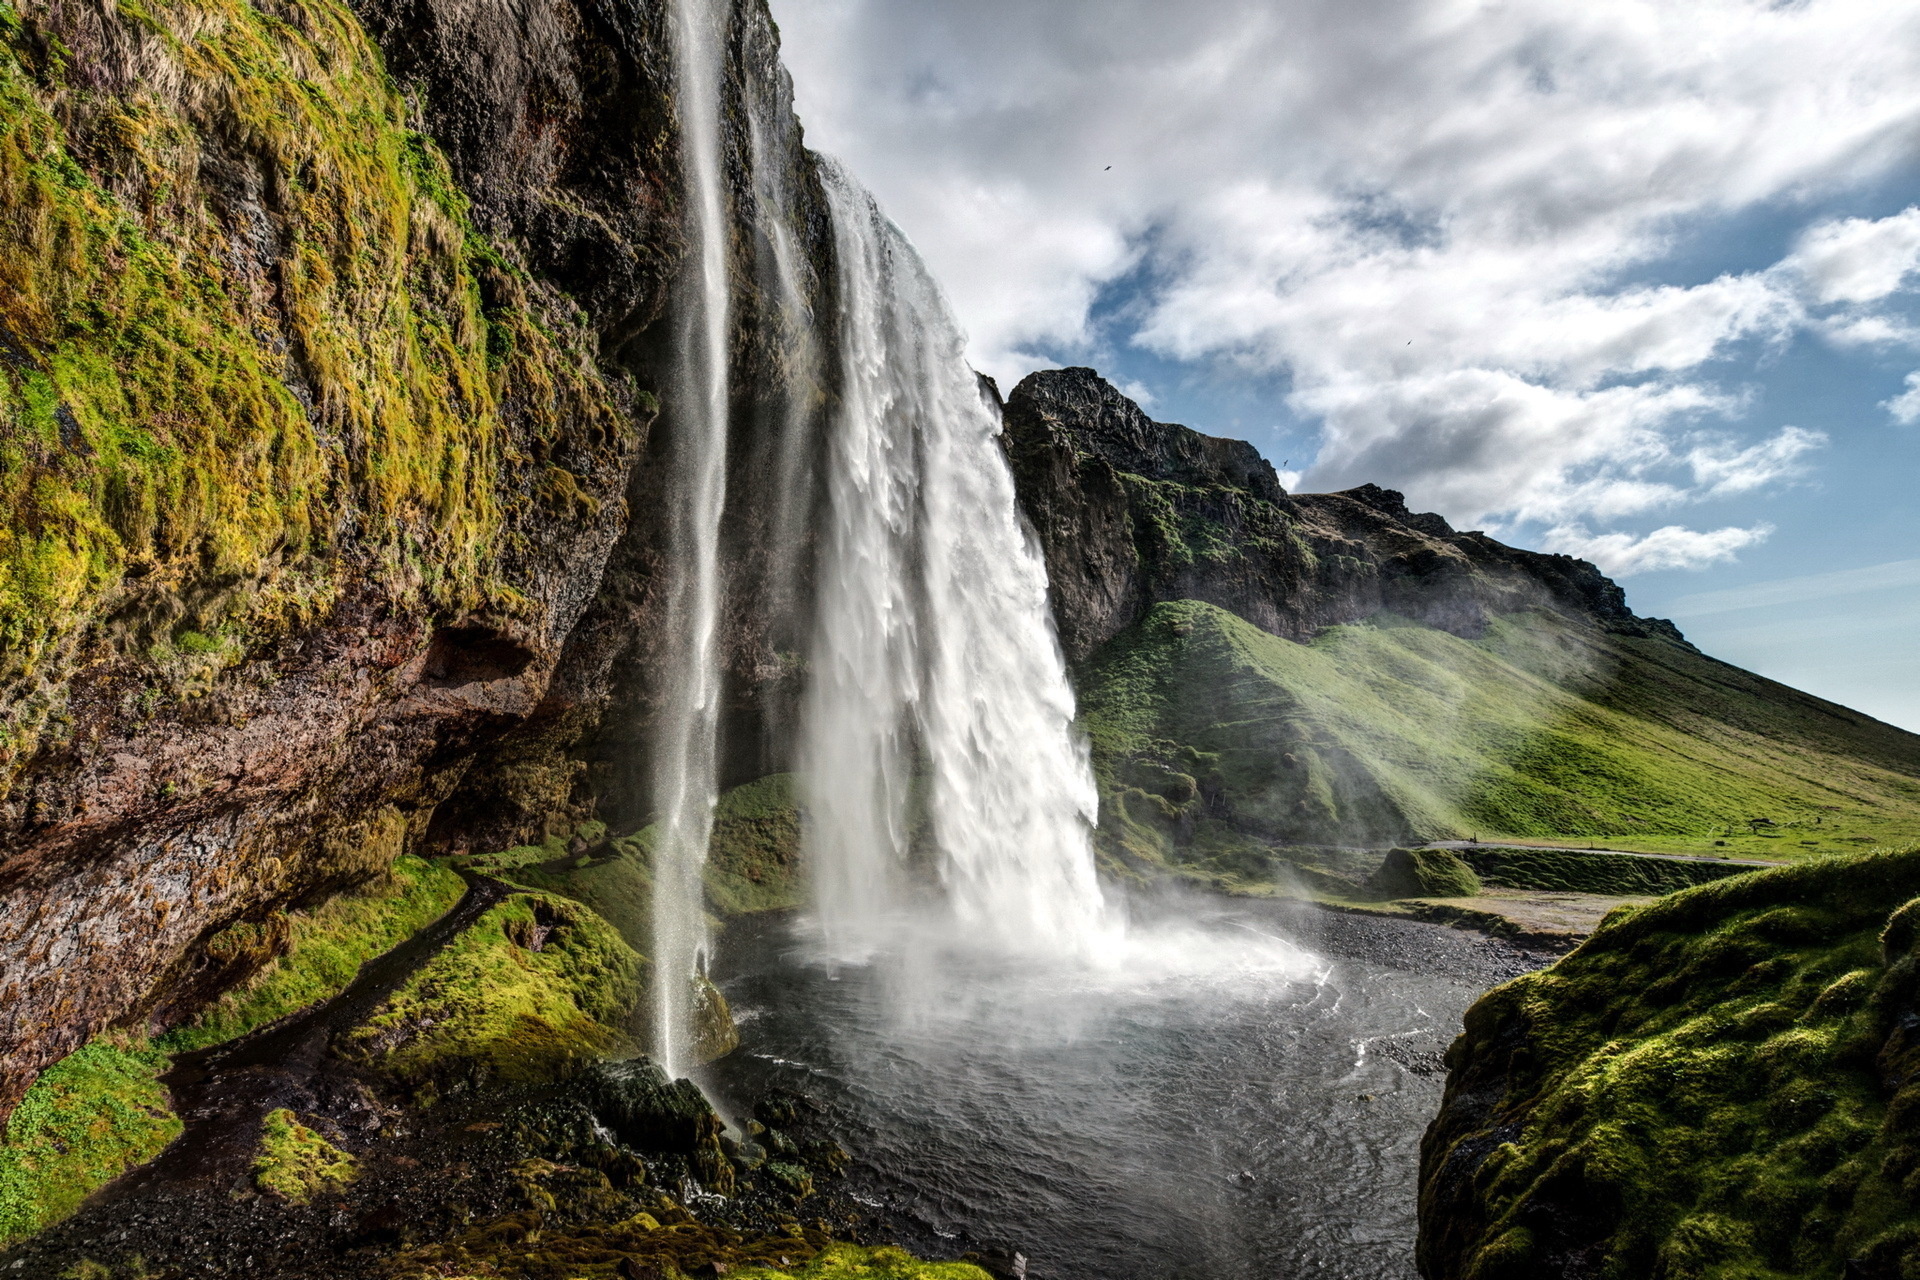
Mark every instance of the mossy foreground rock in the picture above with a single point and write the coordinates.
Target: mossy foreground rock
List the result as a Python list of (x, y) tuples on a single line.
[(90, 1118), (1723, 1084), (298, 1164), (1424, 873), (537, 986)]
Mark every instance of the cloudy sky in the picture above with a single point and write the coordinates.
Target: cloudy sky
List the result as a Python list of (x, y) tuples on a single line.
[(1636, 281)]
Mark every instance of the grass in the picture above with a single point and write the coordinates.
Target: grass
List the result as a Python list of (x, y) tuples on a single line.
[(1207, 731), (1717, 1085), (296, 1164), (89, 1118), (537, 985), (325, 948)]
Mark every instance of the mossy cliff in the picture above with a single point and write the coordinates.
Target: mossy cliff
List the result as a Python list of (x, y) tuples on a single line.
[(1720, 1084), (332, 342)]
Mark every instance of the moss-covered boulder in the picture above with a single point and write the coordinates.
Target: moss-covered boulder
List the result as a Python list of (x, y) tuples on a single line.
[(1424, 873), (1724, 1083), (537, 987), (296, 1163)]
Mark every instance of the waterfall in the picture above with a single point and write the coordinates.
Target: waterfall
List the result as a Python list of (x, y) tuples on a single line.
[(685, 746), (938, 722)]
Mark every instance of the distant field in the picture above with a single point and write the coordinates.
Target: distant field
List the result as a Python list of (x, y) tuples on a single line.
[(1215, 740)]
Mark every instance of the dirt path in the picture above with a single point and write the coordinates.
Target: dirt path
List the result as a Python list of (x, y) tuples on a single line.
[(223, 1093)]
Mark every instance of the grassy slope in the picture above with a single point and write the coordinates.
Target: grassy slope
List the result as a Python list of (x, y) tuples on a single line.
[(1380, 732), (1719, 1085)]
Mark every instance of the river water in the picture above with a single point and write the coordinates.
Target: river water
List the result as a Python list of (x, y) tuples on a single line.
[(1242, 1095)]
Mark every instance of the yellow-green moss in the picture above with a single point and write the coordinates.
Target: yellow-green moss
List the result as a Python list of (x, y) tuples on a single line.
[(851, 1262), (89, 1118), (1718, 1085), (327, 947), (536, 985), (297, 1164), (204, 400)]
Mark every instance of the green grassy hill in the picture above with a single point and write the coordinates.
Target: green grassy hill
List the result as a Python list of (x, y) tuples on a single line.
[(1215, 740)]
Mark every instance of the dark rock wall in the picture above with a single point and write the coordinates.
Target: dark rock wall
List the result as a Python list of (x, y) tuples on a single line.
[(1131, 512), (149, 810)]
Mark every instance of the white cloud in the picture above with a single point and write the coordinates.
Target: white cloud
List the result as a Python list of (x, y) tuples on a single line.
[(1722, 469), (1622, 555), (1420, 211), (1858, 259), (1905, 407)]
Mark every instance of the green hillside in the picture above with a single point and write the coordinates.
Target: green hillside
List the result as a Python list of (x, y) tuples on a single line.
[(1214, 739)]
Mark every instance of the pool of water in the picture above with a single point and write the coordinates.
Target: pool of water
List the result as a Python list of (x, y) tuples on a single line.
[(1240, 1092)]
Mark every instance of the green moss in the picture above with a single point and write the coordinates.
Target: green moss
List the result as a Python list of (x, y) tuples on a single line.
[(325, 949), (1389, 733), (89, 1118), (177, 407), (851, 1262), (753, 862), (537, 985), (296, 1164), (1424, 873), (1715, 1085)]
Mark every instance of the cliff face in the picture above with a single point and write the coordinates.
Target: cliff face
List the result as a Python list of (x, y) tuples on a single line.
[(330, 343), (1132, 512)]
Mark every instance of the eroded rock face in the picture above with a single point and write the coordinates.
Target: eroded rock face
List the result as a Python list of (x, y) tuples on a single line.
[(1132, 512), (221, 733)]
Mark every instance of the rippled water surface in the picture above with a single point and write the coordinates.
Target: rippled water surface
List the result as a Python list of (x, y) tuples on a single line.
[(1239, 1094)]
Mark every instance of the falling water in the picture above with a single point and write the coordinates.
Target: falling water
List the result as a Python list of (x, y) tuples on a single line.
[(939, 718), (684, 785)]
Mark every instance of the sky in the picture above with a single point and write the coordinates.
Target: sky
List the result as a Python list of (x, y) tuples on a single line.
[(1639, 282)]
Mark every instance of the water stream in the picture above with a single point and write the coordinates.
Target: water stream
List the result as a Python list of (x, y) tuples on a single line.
[(684, 771), (937, 738)]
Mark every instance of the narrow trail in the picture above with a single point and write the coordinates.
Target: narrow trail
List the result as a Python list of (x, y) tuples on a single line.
[(224, 1093)]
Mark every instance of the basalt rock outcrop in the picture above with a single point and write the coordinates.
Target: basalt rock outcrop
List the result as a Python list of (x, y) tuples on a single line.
[(1132, 512), (332, 344)]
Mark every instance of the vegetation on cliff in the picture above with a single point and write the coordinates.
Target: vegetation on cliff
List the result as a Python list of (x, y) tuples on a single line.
[(246, 326), (1722, 1084), (88, 1119), (1214, 738)]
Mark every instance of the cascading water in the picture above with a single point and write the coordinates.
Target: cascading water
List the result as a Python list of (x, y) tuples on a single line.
[(686, 744), (939, 718)]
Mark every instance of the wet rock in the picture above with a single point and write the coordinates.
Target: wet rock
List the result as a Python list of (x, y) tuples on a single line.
[(640, 1106)]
